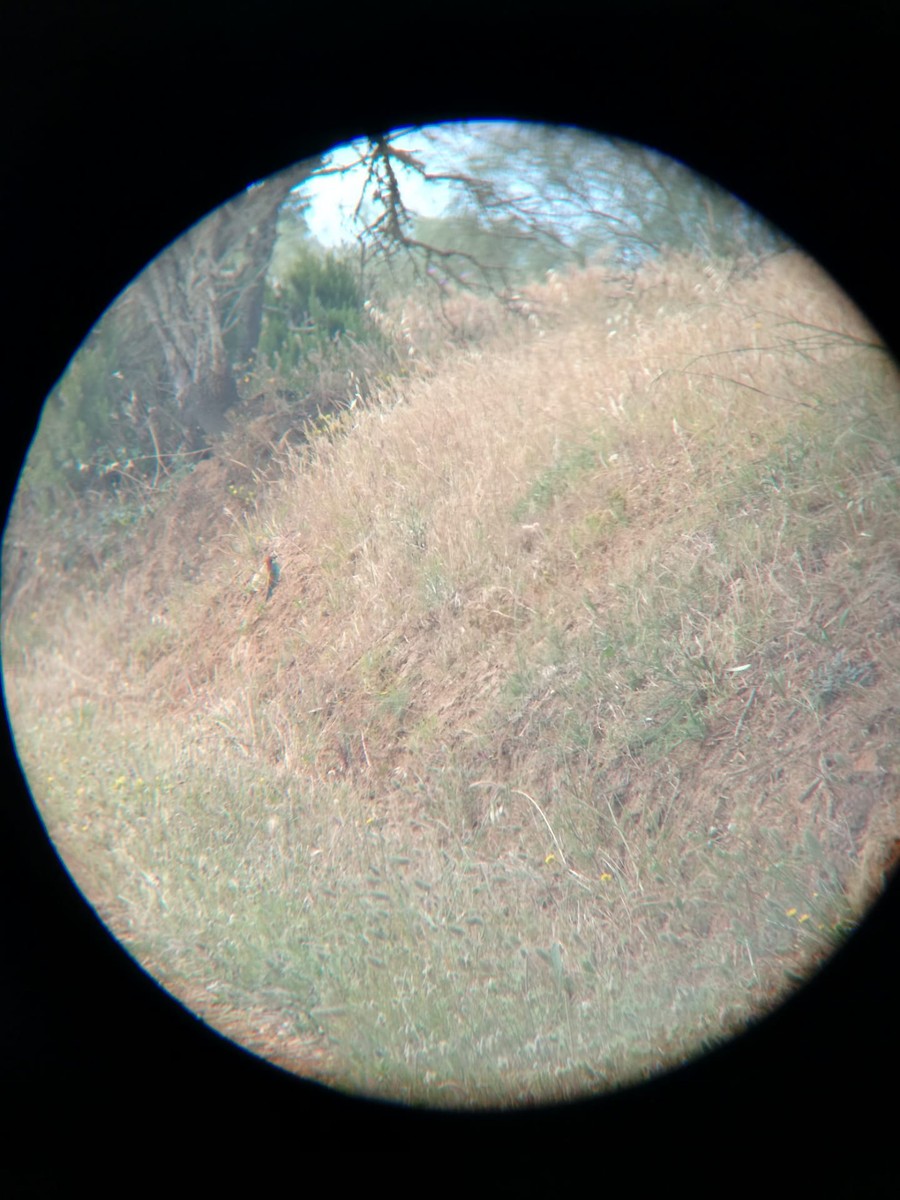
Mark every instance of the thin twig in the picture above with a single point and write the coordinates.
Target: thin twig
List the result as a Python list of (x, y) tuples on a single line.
[(159, 462), (809, 791), (737, 728)]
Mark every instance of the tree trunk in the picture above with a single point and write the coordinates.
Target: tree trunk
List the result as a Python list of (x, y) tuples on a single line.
[(204, 299)]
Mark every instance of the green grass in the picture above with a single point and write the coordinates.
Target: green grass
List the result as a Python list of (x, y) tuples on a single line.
[(554, 952)]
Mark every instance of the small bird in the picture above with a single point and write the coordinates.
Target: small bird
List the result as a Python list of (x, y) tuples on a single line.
[(273, 573)]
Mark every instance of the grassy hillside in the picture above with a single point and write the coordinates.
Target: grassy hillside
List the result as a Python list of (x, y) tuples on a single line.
[(567, 742)]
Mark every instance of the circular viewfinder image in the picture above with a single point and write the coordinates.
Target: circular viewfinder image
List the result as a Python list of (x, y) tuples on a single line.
[(451, 616)]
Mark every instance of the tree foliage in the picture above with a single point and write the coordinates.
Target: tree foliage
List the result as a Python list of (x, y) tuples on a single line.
[(521, 199), (159, 374), (76, 421), (318, 300), (570, 195), (102, 424)]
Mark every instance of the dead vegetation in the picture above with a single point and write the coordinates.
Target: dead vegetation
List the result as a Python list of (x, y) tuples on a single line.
[(566, 743)]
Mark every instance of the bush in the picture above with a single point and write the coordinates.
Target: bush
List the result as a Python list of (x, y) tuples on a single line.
[(76, 424), (312, 307)]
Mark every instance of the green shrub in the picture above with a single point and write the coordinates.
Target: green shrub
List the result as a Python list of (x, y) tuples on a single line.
[(317, 302), (76, 423)]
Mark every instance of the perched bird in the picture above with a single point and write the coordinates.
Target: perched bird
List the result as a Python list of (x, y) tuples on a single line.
[(273, 573)]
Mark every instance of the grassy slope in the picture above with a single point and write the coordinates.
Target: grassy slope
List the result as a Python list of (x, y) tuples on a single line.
[(568, 738)]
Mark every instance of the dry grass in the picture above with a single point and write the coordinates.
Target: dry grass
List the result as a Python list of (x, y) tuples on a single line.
[(567, 742)]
